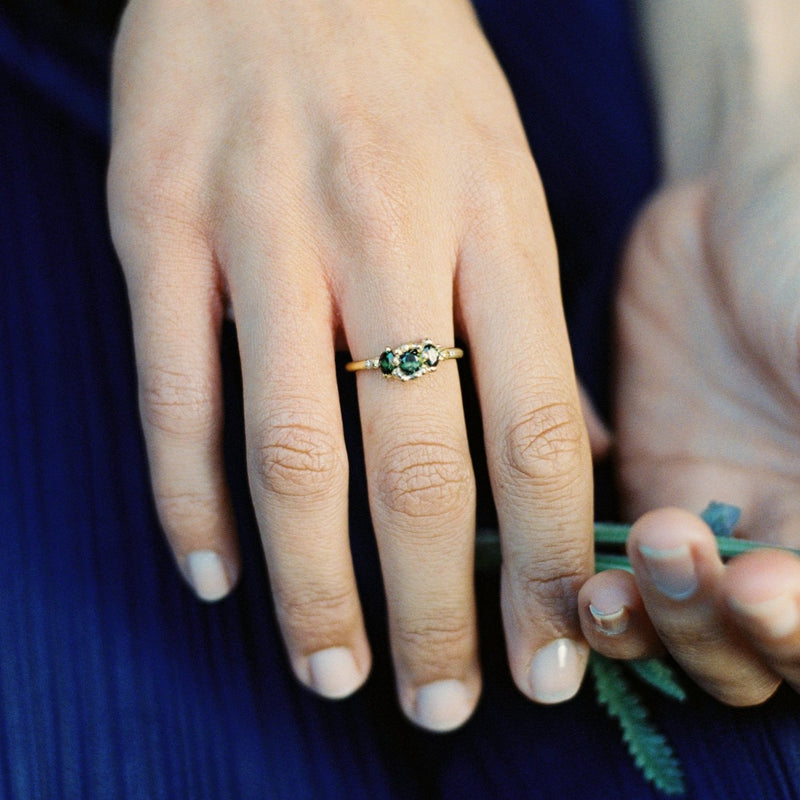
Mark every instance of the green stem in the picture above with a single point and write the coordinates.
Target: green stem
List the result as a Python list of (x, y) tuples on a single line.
[(613, 534), (604, 561), (610, 535)]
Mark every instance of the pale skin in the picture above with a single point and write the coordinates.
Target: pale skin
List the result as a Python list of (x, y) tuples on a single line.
[(308, 166), (300, 165), (708, 384)]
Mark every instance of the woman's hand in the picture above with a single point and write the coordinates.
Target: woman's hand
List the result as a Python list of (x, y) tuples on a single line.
[(352, 171), (709, 409)]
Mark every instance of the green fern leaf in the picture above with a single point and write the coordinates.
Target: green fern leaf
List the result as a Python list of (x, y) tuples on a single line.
[(659, 675), (649, 749)]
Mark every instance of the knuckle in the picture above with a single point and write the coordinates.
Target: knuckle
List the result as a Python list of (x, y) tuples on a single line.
[(553, 586), (432, 645), (500, 188), (184, 514), (305, 612), (547, 446), (426, 480), (298, 456), (371, 187), (156, 194), (178, 403), (365, 171)]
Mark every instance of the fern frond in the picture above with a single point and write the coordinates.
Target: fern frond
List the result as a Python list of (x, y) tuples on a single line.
[(659, 675), (649, 749)]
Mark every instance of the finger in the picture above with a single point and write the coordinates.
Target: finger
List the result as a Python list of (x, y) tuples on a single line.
[(614, 619), (761, 589), (536, 441), (297, 462), (421, 487), (679, 574), (177, 311)]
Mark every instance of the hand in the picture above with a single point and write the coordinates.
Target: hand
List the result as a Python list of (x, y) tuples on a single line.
[(352, 171), (708, 401)]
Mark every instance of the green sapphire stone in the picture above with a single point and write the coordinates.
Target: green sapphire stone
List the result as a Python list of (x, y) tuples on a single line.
[(386, 362), (410, 362), (431, 354)]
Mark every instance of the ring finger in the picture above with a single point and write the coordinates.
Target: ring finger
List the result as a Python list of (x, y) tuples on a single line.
[(421, 487)]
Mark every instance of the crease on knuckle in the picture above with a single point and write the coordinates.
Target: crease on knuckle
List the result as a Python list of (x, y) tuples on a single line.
[(296, 456), (177, 403), (314, 609), (432, 645), (545, 446), (184, 514), (426, 480), (543, 586)]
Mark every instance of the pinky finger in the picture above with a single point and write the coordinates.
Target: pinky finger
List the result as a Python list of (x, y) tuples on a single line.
[(176, 336), (613, 618)]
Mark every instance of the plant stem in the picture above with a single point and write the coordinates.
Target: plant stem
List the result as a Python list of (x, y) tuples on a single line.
[(610, 535)]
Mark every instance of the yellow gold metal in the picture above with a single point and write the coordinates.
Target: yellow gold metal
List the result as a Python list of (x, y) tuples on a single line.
[(408, 361)]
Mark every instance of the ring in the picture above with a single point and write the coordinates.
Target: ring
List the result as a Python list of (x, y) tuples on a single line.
[(408, 361)]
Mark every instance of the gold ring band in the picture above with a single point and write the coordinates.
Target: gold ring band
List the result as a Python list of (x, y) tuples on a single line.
[(408, 361)]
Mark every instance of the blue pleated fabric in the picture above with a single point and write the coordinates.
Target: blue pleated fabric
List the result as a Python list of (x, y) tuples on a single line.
[(114, 681)]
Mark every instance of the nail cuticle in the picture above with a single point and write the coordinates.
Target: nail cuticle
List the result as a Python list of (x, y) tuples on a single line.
[(610, 623), (672, 570)]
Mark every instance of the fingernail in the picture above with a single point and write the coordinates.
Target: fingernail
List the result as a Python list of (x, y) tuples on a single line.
[(207, 575), (778, 616), (333, 672), (442, 705), (611, 623), (557, 671), (672, 571)]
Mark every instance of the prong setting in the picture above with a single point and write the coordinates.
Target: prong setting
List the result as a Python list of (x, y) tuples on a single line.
[(408, 361), (411, 361)]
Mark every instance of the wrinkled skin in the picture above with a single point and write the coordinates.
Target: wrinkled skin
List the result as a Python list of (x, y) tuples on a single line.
[(352, 172)]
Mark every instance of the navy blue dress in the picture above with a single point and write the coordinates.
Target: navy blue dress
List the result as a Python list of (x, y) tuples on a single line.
[(114, 681)]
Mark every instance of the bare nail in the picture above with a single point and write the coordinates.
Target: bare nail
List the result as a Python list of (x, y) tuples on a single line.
[(672, 570), (443, 705), (333, 672), (207, 574), (556, 671), (610, 623)]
